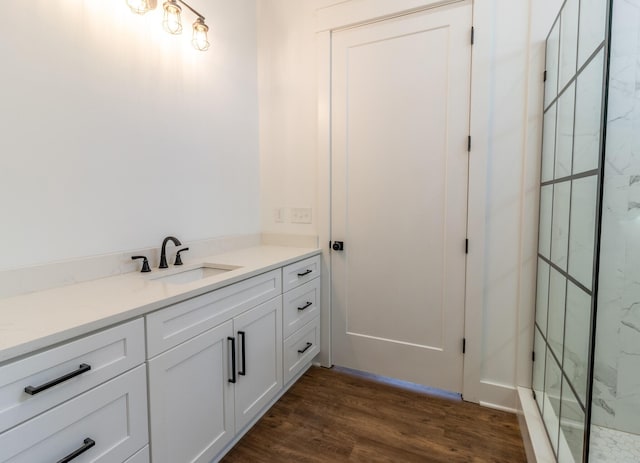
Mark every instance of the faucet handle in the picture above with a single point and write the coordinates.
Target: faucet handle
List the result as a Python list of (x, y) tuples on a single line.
[(178, 258), (145, 263)]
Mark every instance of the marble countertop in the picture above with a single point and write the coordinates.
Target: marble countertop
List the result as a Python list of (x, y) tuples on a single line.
[(34, 321)]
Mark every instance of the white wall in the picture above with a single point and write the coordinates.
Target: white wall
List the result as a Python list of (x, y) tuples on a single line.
[(288, 112), (114, 134), (510, 136)]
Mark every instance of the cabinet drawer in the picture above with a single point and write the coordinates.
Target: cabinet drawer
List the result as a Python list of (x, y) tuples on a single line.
[(301, 305), (113, 416), (141, 457), (108, 354), (301, 348), (173, 325), (301, 272)]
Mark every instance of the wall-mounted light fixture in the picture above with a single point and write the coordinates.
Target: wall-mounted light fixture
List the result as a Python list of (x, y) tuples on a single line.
[(172, 21)]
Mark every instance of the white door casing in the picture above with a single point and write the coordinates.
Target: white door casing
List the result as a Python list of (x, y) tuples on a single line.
[(400, 120)]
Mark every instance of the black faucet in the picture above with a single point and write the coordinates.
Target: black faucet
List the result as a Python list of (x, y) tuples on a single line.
[(163, 254)]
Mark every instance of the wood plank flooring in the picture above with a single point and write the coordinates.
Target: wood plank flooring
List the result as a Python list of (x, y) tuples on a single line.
[(335, 416)]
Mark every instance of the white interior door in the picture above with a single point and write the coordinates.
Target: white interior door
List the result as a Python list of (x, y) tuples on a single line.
[(400, 122)]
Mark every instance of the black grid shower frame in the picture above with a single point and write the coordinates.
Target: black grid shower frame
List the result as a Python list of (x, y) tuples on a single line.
[(586, 408)]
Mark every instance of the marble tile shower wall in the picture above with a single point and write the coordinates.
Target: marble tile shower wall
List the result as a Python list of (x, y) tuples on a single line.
[(616, 393)]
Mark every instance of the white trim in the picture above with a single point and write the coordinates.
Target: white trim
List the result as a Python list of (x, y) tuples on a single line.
[(323, 46), (350, 13), (476, 221)]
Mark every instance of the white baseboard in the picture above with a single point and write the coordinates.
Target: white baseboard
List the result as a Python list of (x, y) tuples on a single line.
[(498, 396)]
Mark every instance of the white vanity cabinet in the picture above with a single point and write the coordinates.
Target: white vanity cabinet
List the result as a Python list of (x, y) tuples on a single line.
[(83, 401), (202, 392), (178, 384)]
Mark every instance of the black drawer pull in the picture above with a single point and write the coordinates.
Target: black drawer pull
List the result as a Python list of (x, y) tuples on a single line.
[(33, 390), (306, 306), (88, 443), (302, 351), (242, 372), (233, 359), (305, 273)]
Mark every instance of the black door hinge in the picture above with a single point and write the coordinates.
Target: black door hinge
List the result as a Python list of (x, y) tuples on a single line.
[(473, 35), (469, 143), (466, 246), (544, 76), (464, 345), (533, 356), (534, 394)]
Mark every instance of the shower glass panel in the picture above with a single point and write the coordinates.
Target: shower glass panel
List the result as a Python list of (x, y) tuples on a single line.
[(571, 174), (586, 369)]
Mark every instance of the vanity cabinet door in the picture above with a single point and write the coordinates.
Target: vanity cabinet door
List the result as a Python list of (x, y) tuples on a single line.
[(191, 398), (258, 334)]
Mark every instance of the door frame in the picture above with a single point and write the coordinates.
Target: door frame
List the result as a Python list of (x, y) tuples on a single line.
[(346, 14)]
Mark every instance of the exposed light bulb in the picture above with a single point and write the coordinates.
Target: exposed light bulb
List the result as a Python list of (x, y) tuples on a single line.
[(172, 23), (200, 40), (141, 6)]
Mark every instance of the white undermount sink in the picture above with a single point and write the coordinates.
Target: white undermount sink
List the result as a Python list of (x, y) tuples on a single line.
[(191, 274)]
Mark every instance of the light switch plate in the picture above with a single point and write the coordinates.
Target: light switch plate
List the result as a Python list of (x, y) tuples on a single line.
[(300, 215), (278, 214)]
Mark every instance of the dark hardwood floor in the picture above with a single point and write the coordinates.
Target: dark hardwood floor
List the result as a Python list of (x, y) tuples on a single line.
[(334, 416)]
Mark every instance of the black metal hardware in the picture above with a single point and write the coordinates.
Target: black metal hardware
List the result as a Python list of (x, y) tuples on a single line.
[(302, 351), (544, 76), (533, 356), (473, 35), (306, 306), (338, 246), (304, 273), (464, 345), (163, 252), (233, 359), (87, 444), (466, 246), (145, 263), (178, 258), (242, 372), (33, 390), (469, 144)]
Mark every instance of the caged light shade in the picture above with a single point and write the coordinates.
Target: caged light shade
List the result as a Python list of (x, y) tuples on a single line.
[(141, 6), (172, 22), (200, 40)]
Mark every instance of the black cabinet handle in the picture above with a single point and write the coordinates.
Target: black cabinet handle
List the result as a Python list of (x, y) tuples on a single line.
[(233, 359), (33, 390), (306, 306), (305, 273), (242, 372), (87, 444), (302, 351)]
